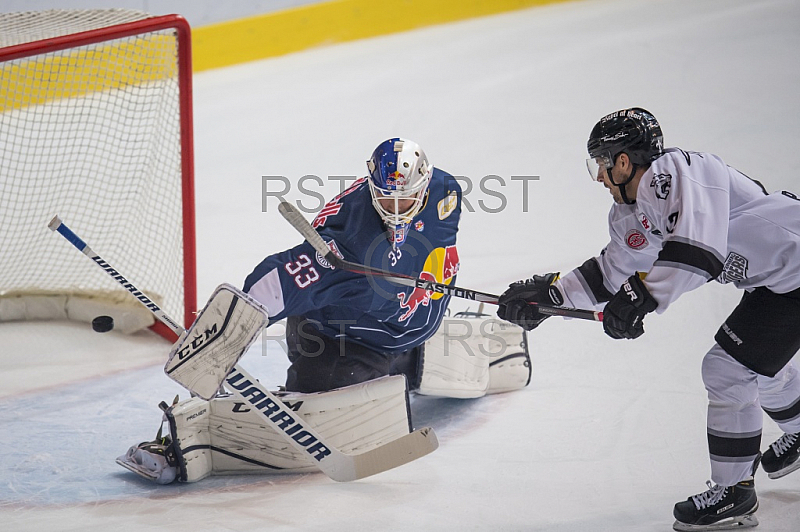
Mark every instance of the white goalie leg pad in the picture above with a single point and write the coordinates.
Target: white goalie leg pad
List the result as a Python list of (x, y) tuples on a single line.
[(510, 367), (225, 328), (453, 364), (354, 419), (471, 356), (189, 426)]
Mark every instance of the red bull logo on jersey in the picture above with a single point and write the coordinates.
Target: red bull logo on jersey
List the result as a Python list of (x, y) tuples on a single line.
[(441, 266)]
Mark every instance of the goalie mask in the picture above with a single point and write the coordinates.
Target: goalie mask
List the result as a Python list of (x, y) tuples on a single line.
[(399, 174)]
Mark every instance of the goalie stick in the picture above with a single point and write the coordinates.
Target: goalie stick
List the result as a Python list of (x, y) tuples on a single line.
[(334, 463), (298, 221), (57, 225)]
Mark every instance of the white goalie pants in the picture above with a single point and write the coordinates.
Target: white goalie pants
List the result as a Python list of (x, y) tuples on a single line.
[(736, 398)]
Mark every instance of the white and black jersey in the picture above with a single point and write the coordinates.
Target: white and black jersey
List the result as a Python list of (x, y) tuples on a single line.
[(695, 219)]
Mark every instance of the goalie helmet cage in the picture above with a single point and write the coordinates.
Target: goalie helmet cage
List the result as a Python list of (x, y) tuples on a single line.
[(96, 126)]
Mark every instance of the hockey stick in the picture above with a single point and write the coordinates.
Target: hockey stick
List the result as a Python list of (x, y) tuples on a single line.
[(334, 463), (57, 225), (298, 221)]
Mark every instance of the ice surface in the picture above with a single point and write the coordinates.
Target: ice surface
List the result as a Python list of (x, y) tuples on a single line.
[(609, 434)]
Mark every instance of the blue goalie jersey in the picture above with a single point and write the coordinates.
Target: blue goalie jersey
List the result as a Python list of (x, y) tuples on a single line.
[(368, 310)]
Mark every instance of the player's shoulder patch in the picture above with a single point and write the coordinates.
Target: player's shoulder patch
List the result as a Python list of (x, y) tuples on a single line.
[(333, 247), (661, 183), (447, 205)]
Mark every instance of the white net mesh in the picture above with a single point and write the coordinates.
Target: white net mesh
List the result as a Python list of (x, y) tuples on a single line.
[(91, 133), (30, 26)]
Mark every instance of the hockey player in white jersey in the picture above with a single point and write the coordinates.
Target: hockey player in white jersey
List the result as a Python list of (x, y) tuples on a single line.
[(681, 219)]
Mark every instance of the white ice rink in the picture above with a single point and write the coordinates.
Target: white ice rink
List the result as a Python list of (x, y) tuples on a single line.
[(609, 434)]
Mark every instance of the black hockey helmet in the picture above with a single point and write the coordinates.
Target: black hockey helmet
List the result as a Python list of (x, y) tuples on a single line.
[(634, 131)]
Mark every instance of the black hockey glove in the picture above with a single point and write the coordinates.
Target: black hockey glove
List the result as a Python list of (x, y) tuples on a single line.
[(624, 313), (514, 305)]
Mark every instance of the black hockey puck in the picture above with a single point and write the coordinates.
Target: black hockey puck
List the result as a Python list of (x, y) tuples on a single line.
[(103, 324)]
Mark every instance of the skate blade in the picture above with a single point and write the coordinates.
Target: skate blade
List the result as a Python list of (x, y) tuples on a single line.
[(785, 471), (136, 468), (732, 523)]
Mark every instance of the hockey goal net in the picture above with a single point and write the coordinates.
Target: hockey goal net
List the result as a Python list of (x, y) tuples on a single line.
[(96, 127)]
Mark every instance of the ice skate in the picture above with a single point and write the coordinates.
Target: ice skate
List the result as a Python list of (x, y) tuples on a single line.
[(718, 508), (151, 460), (783, 456)]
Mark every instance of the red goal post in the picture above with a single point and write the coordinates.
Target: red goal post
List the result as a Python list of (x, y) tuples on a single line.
[(96, 126)]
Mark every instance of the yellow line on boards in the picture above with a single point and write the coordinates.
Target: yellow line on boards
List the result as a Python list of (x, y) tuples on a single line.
[(304, 27)]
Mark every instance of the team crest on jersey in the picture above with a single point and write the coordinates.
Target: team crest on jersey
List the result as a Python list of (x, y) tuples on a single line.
[(447, 205), (662, 183), (735, 269), (635, 239), (333, 247), (419, 225)]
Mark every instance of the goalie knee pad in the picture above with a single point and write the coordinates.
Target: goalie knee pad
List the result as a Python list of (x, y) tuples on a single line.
[(472, 355)]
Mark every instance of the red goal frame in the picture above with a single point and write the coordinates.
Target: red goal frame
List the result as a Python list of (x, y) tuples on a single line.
[(184, 60)]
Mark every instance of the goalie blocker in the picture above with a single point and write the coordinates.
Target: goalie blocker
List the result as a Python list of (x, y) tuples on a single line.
[(471, 355)]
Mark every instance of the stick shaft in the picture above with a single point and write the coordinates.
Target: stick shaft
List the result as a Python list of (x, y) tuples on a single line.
[(298, 221)]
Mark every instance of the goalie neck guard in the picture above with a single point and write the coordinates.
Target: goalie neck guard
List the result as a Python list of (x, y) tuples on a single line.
[(399, 174)]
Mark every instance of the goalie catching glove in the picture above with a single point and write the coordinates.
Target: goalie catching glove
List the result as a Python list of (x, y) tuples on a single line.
[(624, 314), (518, 303)]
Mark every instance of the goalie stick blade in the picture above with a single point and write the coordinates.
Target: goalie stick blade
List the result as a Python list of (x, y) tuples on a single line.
[(395, 453)]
